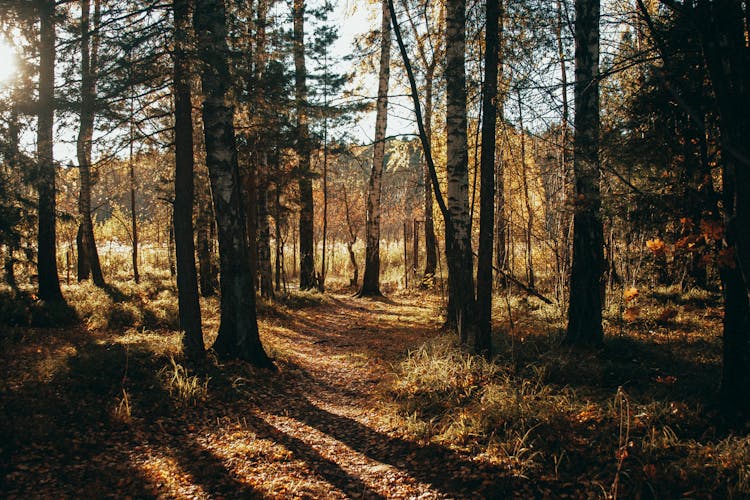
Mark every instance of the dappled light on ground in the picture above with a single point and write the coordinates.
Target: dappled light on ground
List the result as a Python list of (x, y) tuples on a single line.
[(371, 400)]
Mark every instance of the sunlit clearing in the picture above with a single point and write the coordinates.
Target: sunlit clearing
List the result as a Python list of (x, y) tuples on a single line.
[(8, 63)]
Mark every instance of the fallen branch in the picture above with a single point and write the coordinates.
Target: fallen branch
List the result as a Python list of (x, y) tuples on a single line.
[(520, 284)]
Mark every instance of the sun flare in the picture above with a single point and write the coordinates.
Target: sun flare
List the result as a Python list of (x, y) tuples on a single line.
[(8, 64)]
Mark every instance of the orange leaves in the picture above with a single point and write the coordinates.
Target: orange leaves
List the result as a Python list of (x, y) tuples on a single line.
[(689, 243), (630, 294), (657, 246), (632, 311)]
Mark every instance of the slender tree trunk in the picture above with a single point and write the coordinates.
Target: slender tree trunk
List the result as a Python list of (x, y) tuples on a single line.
[(585, 308), (322, 279), (49, 282), (371, 278), (203, 237), (501, 255), (429, 222), (238, 333), (88, 256), (171, 259), (187, 278), (351, 241), (526, 198), (563, 254), (250, 190), (133, 215), (483, 342), (8, 268), (458, 239), (306, 215), (279, 242), (430, 65), (11, 165), (264, 243)]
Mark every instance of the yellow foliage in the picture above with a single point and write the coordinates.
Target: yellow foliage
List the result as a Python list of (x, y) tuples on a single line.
[(657, 246), (630, 294)]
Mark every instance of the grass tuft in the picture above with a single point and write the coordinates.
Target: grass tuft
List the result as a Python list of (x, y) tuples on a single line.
[(186, 390)]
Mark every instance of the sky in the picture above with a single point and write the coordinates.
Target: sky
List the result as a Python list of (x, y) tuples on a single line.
[(353, 19)]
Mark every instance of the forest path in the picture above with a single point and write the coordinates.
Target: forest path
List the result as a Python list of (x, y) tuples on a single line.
[(334, 363), (92, 413)]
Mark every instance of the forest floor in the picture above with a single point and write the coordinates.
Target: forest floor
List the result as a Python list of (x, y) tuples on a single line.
[(370, 400)]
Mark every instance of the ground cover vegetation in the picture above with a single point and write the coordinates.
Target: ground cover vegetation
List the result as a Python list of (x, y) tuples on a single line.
[(216, 286)]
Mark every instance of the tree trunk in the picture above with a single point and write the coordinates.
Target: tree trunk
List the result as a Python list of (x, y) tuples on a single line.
[(371, 278), (49, 282), (203, 236), (585, 308), (526, 199), (250, 190), (133, 217), (458, 239), (10, 165), (351, 241), (187, 279), (279, 243), (88, 256), (728, 59), (429, 222), (501, 257), (563, 254), (306, 215), (171, 259), (264, 242), (483, 342), (8, 268), (238, 333)]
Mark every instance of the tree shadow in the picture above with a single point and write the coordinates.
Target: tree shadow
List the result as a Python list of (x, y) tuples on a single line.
[(67, 436), (663, 367), (449, 472)]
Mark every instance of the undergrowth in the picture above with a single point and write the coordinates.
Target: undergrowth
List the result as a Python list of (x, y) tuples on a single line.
[(185, 389), (635, 418)]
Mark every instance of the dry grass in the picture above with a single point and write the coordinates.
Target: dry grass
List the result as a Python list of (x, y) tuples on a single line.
[(185, 389), (638, 417)]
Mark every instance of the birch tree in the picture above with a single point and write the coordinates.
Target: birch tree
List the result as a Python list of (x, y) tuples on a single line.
[(238, 332), (458, 237), (371, 278)]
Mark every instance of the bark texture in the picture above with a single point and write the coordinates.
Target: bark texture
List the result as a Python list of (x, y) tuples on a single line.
[(500, 239), (586, 280), (204, 231), (728, 59), (49, 282), (306, 214), (238, 333), (371, 277), (458, 238), (88, 256), (187, 277), (483, 341)]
